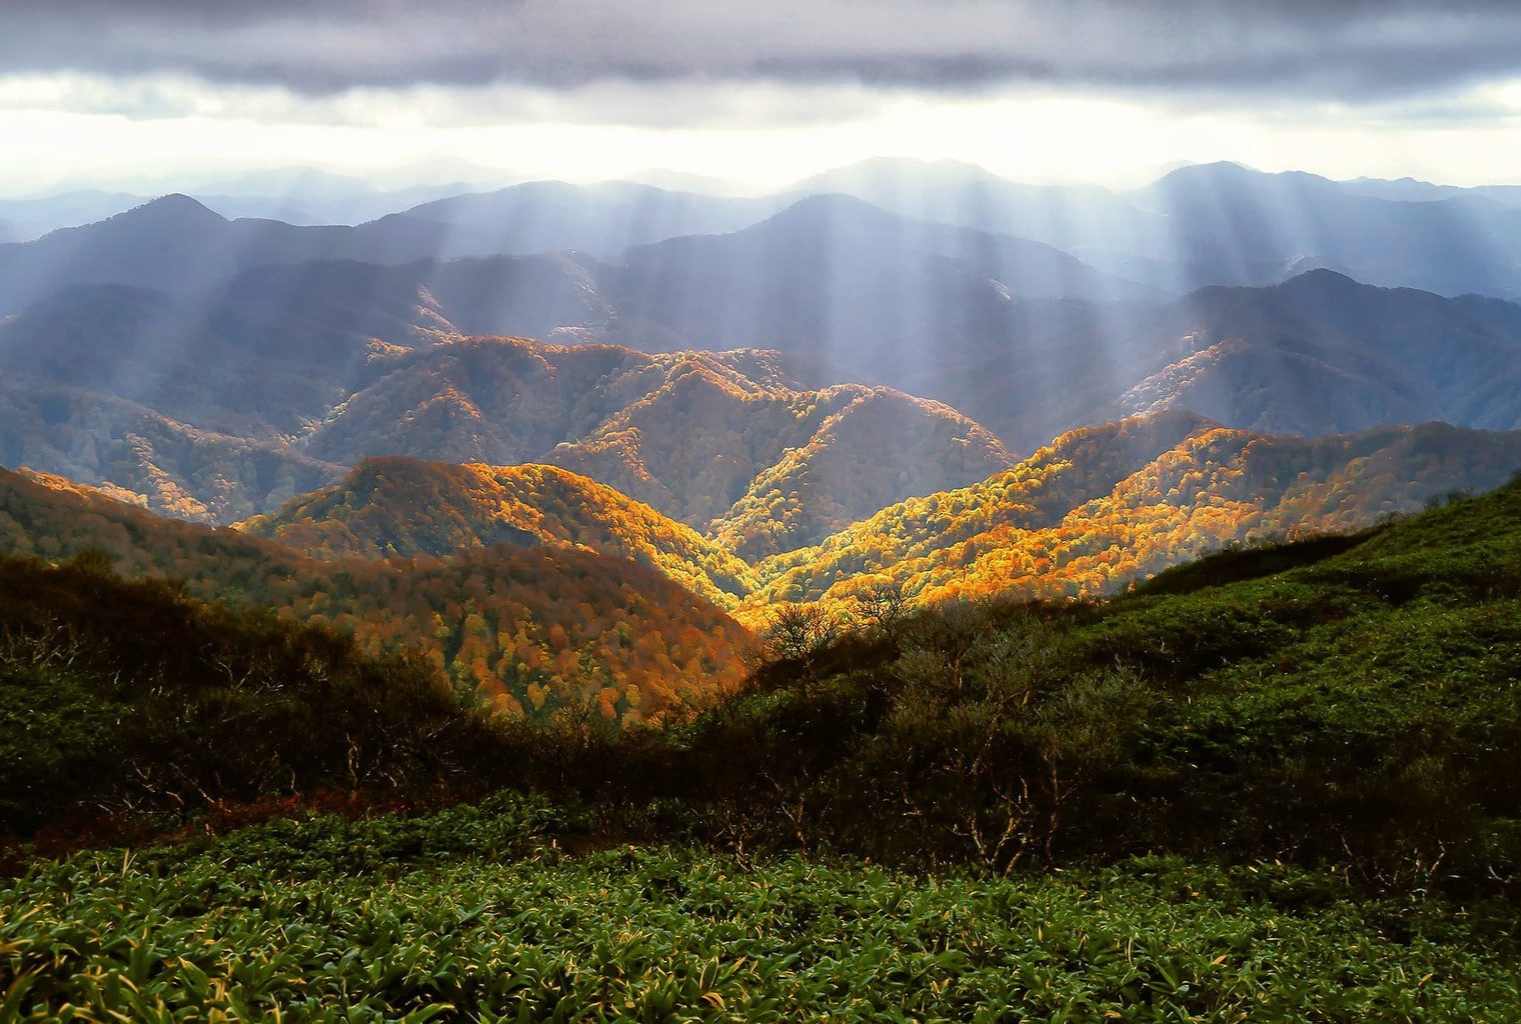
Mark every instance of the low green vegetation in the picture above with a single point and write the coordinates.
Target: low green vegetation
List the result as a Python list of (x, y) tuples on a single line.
[(128, 701), (1277, 785), (478, 914), (1353, 702)]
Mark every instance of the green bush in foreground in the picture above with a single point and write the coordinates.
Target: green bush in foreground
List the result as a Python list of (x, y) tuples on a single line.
[(476, 914)]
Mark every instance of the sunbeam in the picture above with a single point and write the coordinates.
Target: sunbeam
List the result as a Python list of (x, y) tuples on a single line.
[(571, 510)]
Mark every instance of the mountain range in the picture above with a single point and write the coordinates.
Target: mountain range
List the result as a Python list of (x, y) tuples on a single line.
[(1198, 225), (701, 436), (1223, 223), (987, 323), (1087, 515), (307, 368), (512, 575), (295, 195), (898, 374)]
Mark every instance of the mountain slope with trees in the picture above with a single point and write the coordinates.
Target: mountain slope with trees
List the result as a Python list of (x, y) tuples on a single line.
[(1103, 507), (530, 630), (331, 352), (390, 507)]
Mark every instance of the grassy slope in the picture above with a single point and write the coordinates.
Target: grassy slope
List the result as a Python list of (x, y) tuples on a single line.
[(1389, 673), (1355, 699)]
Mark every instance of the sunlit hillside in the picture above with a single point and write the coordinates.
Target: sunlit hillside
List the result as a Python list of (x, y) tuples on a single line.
[(771, 469), (1103, 507), (995, 511), (389, 507), (530, 630)]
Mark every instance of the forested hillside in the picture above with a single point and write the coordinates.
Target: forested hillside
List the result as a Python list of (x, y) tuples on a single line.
[(529, 629), (198, 475), (1103, 507), (1093, 512), (770, 469), (216, 417), (1348, 701), (402, 507), (123, 700), (1267, 783)]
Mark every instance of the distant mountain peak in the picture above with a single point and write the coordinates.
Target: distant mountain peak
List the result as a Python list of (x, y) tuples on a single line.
[(175, 205), (1231, 175), (833, 201), (1216, 168), (818, 210), (1323, 279)]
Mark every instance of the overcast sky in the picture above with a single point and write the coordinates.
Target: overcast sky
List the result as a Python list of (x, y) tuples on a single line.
[(122, 91)]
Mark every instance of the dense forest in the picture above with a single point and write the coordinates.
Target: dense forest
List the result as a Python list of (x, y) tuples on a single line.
[(1277, 783), (402, 507), (1104, 507), (528, 630), (1349, 700)]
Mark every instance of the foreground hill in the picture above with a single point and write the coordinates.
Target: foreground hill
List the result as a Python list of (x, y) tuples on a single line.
[(530, 629), (1102, 507), (118, 694), (402, 507), (1313, 745), (1347, 701)]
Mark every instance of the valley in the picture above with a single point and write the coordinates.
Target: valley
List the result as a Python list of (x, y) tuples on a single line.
[(821, 399), (905, 593)]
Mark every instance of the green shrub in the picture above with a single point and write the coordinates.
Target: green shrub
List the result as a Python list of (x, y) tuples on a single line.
[(282, 921)]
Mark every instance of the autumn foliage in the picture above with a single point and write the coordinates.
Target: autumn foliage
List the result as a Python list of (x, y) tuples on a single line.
[(529, 630), (402, 507), (1102, 507)]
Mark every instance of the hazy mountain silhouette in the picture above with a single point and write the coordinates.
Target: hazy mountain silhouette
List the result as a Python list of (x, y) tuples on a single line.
[(22, 220), (1317, 354), (178, 244), (862, 292), (601, 219), (1223, 223), (1323, 354)]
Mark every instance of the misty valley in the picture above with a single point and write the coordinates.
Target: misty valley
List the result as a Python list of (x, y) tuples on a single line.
[(887, 589)]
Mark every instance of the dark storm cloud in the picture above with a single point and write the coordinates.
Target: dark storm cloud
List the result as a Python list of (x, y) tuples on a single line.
[(1347, 50)]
